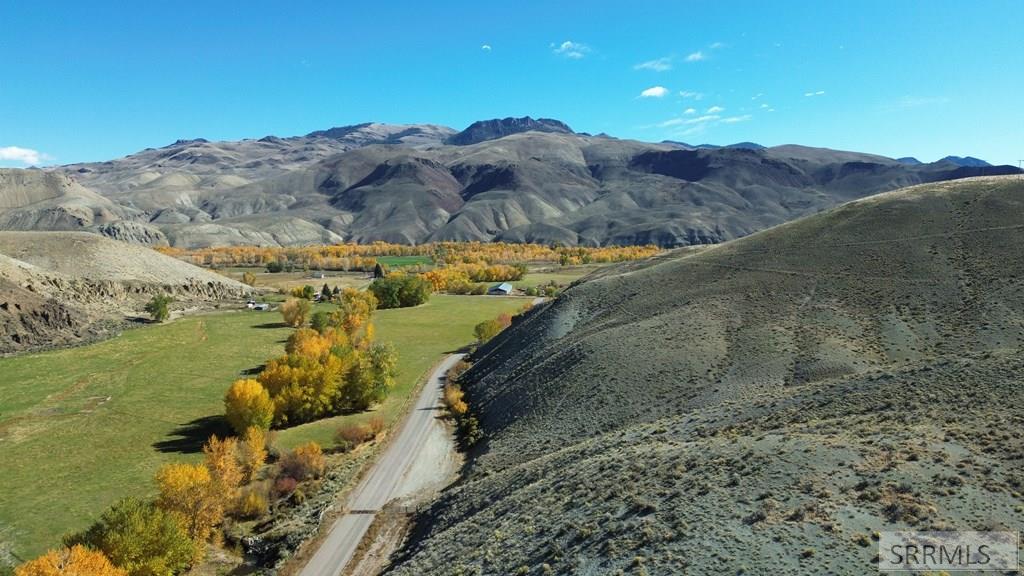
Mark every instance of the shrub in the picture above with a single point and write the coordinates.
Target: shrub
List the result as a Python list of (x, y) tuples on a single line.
[(304, 462), (306, 292), (488, 329), (139, 538), (249, 278), (247, 404), (275, 267), (457, 370), (400, 291), (376, 425), (453, 399), (285, 486), (252, 505), (295, 311), (352, 435), (469, 431), (159, 307), (75, 561)]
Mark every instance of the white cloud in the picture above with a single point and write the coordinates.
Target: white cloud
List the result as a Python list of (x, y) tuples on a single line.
[(690, 111), (765, 106), (702, 119), (571, 50), (691, 94), (695, 56), (818, 93), (735, 119), (717, 45), (26, 156), (654, 92), (715, 110), (756, 96), (486, 47), (658, 65)]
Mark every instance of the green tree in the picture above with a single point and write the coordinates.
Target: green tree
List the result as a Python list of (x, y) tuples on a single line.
[(325, 292), (372, 379), (380, 270), (139, 538), (159, 307), (400, 291), (320, 321)]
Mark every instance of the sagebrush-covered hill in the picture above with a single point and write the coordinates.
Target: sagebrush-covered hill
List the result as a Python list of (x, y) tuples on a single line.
[(762, 406)]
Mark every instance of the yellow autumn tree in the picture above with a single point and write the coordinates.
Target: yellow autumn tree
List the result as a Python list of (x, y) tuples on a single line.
[(355, 307), (248, 404), (221, 459), (75, 561), (453, 399), (295, 311), (252, 452), (189, 491)]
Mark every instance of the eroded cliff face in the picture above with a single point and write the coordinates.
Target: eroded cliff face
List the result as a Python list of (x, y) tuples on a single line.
[(77, 287)]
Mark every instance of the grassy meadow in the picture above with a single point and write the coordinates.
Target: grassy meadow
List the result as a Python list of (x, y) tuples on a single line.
[(82, 427)]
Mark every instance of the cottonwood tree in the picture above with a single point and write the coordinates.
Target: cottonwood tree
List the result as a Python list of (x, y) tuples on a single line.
[(295, 311), (189, 491), (252, 452), (75, 561), (221, 459), (247, 404), (140, 538)]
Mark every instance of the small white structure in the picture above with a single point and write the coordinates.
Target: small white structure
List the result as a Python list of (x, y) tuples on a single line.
[(261, 307), (250, 304), (503, 289)]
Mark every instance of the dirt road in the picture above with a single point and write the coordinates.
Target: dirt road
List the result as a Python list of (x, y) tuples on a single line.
[(420, 457)]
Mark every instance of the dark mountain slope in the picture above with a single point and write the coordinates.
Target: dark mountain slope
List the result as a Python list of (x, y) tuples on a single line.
[(493, 129), (761, 406), (966, 161)]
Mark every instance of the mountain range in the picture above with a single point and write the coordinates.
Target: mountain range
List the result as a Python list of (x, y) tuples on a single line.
[(514, 179)]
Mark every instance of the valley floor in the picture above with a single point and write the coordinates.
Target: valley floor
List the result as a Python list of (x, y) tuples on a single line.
[(83, 427)]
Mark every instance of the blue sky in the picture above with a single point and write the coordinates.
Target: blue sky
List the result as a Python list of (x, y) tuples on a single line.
[(98, 80)]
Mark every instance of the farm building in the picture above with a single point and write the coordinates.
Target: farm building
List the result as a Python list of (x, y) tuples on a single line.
[(503, 289)]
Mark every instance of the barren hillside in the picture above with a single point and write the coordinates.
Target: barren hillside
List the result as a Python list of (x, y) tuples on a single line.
[(762, 406), (514, 179), (58, 288)]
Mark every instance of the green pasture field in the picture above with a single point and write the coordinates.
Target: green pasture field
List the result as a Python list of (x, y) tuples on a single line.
[(83, 427)]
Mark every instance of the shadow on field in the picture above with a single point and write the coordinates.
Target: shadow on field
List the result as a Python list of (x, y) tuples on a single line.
[(253, 371), (189, 438), (269, 325)]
